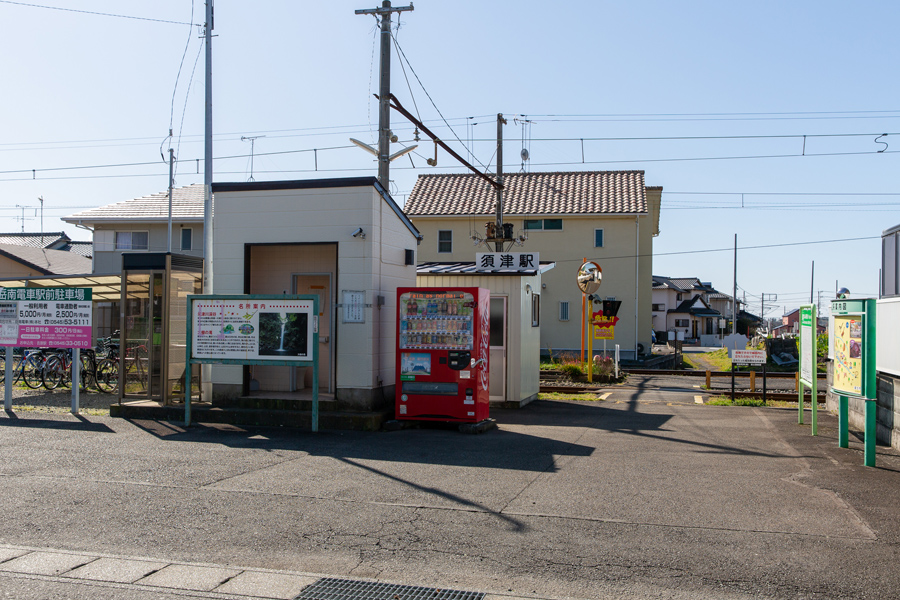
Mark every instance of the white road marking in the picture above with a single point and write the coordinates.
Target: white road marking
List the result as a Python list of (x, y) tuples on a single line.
[(698, 399), (605, 396)]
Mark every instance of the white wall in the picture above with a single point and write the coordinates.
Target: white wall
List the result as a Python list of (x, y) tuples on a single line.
[(109, 260), (365, 352)]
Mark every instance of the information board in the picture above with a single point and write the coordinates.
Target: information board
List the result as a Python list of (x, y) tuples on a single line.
[(253, 329), (748, 357), (848, 362), (807, 343), (46, 317)]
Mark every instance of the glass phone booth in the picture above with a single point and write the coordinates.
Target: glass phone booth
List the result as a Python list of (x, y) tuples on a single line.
[(153, 325)]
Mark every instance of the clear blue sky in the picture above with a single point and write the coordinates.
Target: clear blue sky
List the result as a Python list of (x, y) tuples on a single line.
[(87, 90)]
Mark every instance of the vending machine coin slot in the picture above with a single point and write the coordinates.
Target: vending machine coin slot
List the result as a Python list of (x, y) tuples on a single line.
[(459, 360)]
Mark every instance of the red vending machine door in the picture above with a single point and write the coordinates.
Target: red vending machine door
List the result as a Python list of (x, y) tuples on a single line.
[(442, 352)]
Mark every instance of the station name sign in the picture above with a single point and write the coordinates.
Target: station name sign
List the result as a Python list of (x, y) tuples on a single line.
[(507, 261)]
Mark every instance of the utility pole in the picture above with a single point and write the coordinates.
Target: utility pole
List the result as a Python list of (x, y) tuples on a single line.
[(208, 159), (384, 106), (498, 246), (772, 298), (171, 183), (41, 199)]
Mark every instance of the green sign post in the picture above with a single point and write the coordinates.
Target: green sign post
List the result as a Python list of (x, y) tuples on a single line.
[(808, 368), (853, 342), (253, 330)]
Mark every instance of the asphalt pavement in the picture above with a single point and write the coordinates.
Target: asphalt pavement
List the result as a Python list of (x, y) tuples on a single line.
[(642, 492)]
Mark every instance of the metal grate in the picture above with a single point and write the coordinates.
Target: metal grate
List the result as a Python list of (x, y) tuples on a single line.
[(348, 589)]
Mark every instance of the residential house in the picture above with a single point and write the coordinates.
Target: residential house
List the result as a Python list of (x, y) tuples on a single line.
[(609, 217), (28, 261), (691, 307), (141, 225), (49, 240)]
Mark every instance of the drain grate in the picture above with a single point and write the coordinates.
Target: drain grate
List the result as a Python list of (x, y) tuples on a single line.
[(347, 589)]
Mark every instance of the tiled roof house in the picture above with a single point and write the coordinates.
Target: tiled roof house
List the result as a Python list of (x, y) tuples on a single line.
[(141, 225), (609, 217)]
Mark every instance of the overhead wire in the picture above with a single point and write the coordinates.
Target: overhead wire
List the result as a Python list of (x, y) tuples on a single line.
[(91, 12)]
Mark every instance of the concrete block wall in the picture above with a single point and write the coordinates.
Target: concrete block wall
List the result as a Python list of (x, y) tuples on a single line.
[(887, 414)]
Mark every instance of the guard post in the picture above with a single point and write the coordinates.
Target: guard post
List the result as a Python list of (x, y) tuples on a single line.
[(253, 329), (853, 359)]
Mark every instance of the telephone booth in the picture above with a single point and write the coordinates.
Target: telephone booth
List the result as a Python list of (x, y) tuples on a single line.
[(153, 325)]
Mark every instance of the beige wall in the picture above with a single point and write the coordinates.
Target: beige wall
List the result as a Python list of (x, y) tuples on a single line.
[(109, 260), (522, 341), (567, 248), (375, 265), (12, 268)]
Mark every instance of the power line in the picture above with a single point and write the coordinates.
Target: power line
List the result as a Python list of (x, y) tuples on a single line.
[(90, 12)]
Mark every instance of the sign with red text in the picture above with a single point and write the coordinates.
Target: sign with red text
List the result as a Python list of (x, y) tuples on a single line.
[(46, 317)]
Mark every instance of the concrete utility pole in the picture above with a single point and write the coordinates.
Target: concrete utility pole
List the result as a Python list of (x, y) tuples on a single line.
[(384, 105), (208, 160), (171, 183), (498, 246)]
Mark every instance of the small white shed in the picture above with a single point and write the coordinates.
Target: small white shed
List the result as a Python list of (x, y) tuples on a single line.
[(515, 319), (344, 240)]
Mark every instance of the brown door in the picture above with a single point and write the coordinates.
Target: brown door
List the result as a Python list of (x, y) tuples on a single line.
[(319, 285)]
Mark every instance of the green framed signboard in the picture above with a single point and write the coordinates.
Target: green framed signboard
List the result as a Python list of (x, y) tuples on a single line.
[(853, 340)]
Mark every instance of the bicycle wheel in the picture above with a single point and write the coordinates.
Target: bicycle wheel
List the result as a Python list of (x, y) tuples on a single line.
[(107, 375), (88, 375), (53, 373), (33, 371)]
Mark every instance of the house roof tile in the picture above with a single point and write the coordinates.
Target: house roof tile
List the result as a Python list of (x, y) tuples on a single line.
[(187, 205), (570, 193), (34, 240), (47, 262)]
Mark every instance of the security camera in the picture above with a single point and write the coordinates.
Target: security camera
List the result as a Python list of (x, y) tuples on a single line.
[(359, 233)]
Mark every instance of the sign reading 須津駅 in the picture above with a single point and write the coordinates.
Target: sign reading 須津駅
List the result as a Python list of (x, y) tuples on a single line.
[(253, 329), (46, 317), (507, 261)]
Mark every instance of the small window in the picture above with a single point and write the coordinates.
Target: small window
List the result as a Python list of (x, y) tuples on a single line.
[(678, 297), (682, 323), (552, 224), (564, 310), (598, 238), (543, 224), (535, 310), (186, 238), (445, 241), (659, 307), (132, 240)]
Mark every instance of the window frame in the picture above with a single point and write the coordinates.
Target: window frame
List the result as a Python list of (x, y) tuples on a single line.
[(131, 247), (528, 225), (191, 245), (602, 235), (535, 310), (447, 241), (563, 310)]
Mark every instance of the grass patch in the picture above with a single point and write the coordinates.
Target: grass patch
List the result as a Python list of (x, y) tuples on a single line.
[(718, 359), (564, 396), (738, 401)]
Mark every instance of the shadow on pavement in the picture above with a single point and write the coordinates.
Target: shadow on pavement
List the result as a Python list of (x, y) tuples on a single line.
[(82, 424)]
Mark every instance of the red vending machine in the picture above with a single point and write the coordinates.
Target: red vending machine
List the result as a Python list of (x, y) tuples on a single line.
[(442, 354)]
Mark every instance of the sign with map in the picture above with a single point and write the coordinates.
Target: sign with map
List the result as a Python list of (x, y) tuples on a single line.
[(848, 354)]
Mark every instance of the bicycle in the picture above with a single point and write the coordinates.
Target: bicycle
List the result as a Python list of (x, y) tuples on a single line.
[(58, 370), (31, 369)]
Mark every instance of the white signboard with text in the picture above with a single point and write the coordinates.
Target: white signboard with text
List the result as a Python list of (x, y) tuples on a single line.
[(748, 357), (253, 329), (507, 261)]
